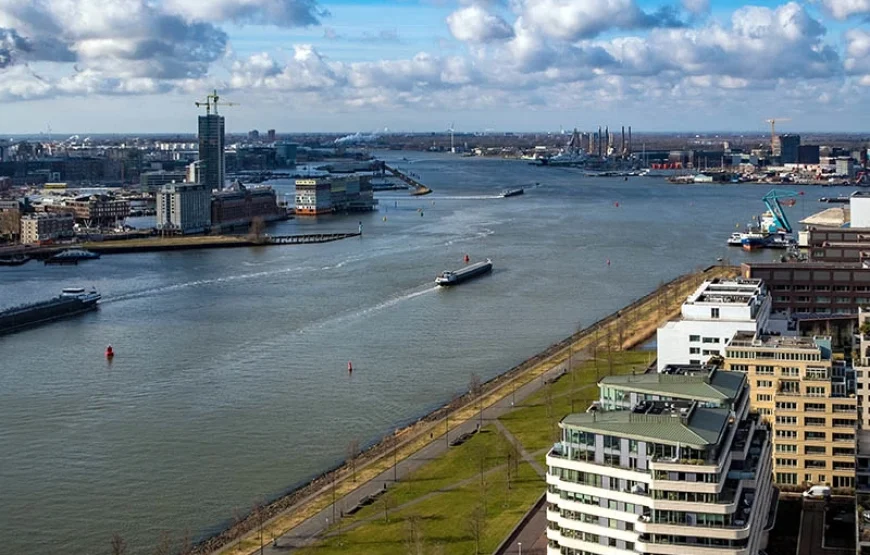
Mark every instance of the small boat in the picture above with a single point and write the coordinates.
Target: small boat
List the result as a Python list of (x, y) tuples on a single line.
[(752, 241), (456, 277), (72, 256), (736, 239), (512, 192), (14, 260)]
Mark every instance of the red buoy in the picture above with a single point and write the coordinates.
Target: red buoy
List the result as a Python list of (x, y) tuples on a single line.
[(109, 352), (349, 366), (467, 259), (608, 262), (617, 204)]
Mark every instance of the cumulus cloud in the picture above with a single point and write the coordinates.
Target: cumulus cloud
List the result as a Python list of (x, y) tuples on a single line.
[(584, 19), (475, 24), (697, 7), (283, 13), (843, 9), (858, 54)]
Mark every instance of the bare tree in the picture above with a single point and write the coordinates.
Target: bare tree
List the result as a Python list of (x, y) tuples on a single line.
[(352, 452), (477, 526), (512, 461), (238, 519), (260, 519), (414, 535), (548, 399), (185, 546), (475, 386), (119, 545), (164, 544), (257, 230), (609, 347), (387, 503)]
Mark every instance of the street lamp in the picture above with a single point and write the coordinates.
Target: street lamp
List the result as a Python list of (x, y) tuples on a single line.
[(520, 545)]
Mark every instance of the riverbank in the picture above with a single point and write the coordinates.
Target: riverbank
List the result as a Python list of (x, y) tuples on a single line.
[(622, 330)]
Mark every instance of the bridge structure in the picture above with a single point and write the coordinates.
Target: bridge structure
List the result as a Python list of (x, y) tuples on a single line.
[(309, 238)]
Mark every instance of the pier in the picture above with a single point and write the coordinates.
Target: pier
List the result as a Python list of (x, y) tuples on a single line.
[(309, 238), (419, 188)]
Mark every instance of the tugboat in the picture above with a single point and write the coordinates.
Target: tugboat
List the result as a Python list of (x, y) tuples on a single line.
[(512, 192), (456, 277)]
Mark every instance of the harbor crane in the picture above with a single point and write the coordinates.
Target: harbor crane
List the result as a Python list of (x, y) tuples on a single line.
[(212, 100), (774, 200), (772, 122)]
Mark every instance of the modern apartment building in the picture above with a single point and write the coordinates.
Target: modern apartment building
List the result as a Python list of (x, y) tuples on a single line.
[(861, 360), (239, 205), (211, 152), (326, 195), (710, 317), (808, 401), (667, 477), (184, 208)]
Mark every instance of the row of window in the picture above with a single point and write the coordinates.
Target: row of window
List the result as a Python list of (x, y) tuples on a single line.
[(822, 288), (814, 436), (810, 354), (791, 478)]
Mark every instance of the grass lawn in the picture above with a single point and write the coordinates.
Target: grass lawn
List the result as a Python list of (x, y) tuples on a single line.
[(444, 521), (462, 462), (535, 424)]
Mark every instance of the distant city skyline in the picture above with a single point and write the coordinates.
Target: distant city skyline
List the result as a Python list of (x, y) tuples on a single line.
[(137, 66)]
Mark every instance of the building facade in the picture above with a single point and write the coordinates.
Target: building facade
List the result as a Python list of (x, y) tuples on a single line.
[(96, 209), (155, 180), (327, 195), (661, 478), (211, 152), (789, 148), (184, 208), (43, 227), (809, 403), (239, 206), (710, 317)]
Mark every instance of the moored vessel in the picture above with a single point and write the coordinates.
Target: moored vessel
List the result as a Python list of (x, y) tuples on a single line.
[(458, 276), (72, 256), (71, 301), (14, 260)]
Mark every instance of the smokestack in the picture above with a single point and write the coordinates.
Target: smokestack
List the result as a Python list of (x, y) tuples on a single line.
[(629, 139), (622, 148)]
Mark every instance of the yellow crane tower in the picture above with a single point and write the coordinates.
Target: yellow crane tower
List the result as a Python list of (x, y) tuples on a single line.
[(212, 100), (772, 122)]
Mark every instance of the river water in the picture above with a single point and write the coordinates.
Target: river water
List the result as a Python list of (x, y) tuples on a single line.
[(230, 383)]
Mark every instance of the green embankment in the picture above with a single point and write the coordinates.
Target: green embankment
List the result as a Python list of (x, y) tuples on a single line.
[(437, 504)]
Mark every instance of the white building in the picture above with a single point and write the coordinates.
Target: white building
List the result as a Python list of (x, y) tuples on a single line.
[(184, 208), (710, 318), (859, 209), (664, 478)]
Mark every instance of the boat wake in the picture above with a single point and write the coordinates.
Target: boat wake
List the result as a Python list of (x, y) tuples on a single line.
[(356, 314)]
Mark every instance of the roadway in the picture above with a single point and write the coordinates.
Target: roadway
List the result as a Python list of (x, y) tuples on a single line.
[(812, 530)]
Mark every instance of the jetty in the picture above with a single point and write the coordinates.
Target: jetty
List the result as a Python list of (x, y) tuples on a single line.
[(418, 188)]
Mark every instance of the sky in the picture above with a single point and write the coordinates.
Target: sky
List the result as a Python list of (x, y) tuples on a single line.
[(138, 66)]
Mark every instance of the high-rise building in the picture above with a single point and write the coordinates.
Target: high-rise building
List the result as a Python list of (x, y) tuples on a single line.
[(270, 135), (211, 152), (667, 476), (710, 317), (789, 146), (808, 401)]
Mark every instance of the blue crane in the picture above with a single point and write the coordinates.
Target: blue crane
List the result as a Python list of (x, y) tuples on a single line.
[(773, 202)]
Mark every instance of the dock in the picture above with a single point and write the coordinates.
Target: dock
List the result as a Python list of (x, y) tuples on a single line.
[(310, 238)]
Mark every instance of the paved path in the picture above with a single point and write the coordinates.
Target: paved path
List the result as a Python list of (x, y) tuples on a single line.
[(309, 530), (532, 539)]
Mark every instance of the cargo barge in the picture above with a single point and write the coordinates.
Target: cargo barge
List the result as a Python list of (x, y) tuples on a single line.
[(70, 302), (472, 271)]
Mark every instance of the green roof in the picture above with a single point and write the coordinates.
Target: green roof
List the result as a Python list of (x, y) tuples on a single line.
[(718, 385), (702, 428)]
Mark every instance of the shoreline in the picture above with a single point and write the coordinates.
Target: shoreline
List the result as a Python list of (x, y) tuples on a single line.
[(302, 501)]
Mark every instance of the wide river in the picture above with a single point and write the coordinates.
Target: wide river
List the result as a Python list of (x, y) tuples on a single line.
[(230, 382)]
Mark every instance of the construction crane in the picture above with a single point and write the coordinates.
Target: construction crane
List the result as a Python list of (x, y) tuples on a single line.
[(774, 200), (772, 122), (212, 100)]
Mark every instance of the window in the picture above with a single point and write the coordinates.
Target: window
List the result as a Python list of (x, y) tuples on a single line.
[(694, 338), (791, 405), (763, 398), (815, 407), (786, 434), (711, 340), (764, 370), (791, 372), (814, 373), (815, 450), (815, 436), (813, 421), (694, 350), (815, 391), (786, 448), (786, 462), (714, 313), (789, 478), (765, 384), (787, 420)]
